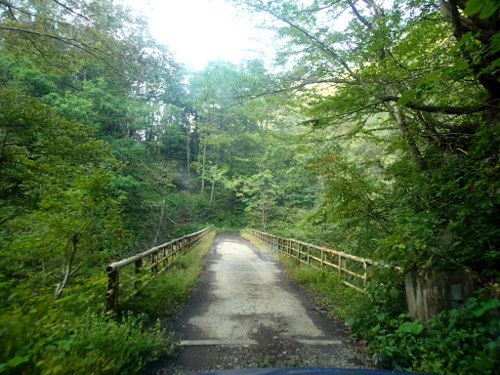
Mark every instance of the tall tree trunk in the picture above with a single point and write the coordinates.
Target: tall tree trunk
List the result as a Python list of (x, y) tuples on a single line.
[(398, 115), (188, 151), (67, 267), (203, 166), (263, 218), (162, 212), (213, 182), (212, 193)]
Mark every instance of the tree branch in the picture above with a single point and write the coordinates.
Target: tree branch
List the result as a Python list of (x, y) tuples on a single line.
[(320, 8), (159, 222), (72, 10), (70, 41), (85, 47), (359, 16), (4, 220), (314, 122), (10, 7), (303, 84), (435, 108), (68, 273), (4, 143), (323, 47)]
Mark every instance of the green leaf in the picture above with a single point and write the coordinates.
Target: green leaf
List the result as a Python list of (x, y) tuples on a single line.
[(473, 6), (17, 360), (405, 96), (465, 38), (491, 304), (485, 307), (11, 297), (411, 327), (488, 10)]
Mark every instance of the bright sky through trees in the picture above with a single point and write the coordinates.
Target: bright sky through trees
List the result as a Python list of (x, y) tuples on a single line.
[(198, 31)]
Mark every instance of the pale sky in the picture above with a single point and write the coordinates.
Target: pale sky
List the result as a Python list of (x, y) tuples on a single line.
[(198, 31)]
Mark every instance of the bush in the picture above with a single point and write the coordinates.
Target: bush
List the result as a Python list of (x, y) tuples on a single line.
[(380, 305), (62, 343), (101, 346), (72, 335), (454, 342)]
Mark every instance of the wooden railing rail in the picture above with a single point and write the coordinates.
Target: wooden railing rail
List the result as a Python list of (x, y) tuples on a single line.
[(350, 267), (155, 260)]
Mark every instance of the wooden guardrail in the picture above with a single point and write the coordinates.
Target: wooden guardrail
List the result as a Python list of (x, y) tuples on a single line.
[(147, 265), (350, 267)]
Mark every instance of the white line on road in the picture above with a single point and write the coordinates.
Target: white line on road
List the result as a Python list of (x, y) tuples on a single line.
[(242, 342), (217, 342)]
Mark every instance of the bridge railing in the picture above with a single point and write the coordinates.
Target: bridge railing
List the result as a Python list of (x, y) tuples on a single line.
[(128, 281), (352, 269)]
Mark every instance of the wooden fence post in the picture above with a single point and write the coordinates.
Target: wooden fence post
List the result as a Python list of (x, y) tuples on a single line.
[(343, 266), (112, 293), (340, 265), (138, 266), (367, 271), (154, 262), (165, 250)]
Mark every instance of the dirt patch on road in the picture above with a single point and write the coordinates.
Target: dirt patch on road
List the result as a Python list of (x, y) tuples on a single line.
[(245, 313)]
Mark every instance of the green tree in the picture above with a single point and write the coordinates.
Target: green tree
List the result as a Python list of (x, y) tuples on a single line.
[(419, 80), (260, 196), (55, 208)]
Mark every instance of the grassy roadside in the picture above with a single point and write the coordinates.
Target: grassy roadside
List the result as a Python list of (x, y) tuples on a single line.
[(325, 287), (170, 289), (257, 242)]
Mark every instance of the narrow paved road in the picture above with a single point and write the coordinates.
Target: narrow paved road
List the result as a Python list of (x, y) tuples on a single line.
[(246, 313)]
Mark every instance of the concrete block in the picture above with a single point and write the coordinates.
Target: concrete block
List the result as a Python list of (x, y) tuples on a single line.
[(427, 294)]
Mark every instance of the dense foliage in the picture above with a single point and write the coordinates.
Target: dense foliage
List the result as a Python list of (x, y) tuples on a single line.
[(378, 135)]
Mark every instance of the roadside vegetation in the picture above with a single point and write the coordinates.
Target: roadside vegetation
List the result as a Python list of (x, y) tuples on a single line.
[(462, 341), (74, 335), (377, 136), (160, 298)]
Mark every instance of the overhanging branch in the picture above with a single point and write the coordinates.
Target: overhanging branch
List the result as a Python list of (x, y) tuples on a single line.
[(304, 84), (70, 41), (72, 10), (450, 110)]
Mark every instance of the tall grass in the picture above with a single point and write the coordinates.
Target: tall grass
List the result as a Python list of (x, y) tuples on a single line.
[(324, 285), (170, 289)]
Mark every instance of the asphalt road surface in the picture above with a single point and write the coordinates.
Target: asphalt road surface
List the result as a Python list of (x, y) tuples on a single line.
[(246, 313)]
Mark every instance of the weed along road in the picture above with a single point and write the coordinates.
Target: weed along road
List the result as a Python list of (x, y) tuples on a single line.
[(246, 313)]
